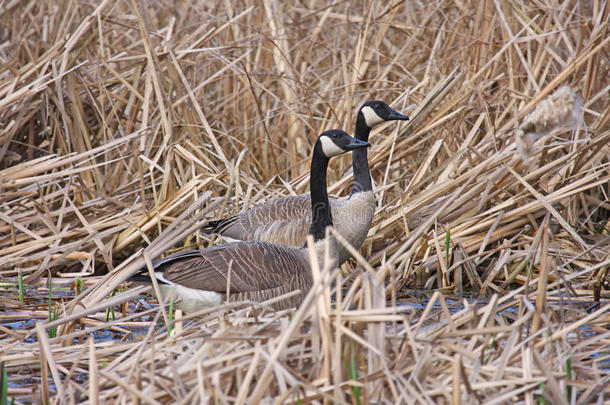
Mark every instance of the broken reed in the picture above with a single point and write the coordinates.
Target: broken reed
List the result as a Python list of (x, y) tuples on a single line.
[(120, 115), (487, 349)]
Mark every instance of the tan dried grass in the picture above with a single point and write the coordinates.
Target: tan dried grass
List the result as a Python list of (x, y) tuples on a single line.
[(124, 125)]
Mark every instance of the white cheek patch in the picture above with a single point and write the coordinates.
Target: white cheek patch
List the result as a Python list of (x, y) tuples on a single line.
[(329, 148), (371, 117)]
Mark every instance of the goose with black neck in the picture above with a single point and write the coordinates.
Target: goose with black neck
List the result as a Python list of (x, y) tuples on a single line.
[(256, 270), (287, 220)]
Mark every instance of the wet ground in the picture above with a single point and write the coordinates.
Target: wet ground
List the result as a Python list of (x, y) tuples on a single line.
[(18, 319)]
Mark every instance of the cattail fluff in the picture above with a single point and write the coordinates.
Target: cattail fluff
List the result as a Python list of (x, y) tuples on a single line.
[(561, 110)]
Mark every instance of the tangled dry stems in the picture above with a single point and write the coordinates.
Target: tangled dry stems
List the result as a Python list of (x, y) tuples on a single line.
[(126, 124)]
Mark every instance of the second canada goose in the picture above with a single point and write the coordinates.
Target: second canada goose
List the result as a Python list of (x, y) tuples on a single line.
[(255, 270), (286, 220)]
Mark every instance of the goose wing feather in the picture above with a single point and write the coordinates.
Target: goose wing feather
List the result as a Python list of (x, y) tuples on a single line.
[(282, 220), (254, 266)]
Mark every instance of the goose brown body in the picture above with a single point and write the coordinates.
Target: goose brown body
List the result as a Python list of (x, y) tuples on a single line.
[(236, 267), (287, 220)]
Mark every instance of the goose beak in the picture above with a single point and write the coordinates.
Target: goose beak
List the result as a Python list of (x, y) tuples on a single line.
[(356, 144), (396, 116)]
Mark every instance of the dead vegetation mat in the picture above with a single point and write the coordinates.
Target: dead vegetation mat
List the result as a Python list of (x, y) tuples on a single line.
[(125, 125)]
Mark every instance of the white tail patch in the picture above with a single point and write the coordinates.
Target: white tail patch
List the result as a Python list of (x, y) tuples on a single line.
[(186, 298), (371, 117), (330, 148), (227, 239)]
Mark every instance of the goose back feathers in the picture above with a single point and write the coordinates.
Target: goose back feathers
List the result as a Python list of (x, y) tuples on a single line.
[(286, 220)]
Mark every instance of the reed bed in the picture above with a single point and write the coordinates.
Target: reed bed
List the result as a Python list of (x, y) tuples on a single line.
[(126, 125)]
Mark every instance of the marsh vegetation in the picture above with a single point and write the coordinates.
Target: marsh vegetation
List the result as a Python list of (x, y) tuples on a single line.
[(125, 125)]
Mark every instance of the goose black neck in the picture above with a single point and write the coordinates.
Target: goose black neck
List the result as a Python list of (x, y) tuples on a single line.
[(360, 163), (320, 207)]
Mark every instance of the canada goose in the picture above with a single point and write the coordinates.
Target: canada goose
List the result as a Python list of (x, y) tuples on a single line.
[(255, 270), (286, 220)]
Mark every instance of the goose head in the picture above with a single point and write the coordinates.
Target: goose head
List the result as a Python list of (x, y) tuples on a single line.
[(335, 142), (375, 112)]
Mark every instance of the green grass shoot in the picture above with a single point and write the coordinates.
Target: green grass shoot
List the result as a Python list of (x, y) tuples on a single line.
[(4, 387), (170, 327), (20, 285), (110, 311), (569, 377), (492, 349), (52, 310), (352, 372), (447, 245), (79, 285), (541, 398)]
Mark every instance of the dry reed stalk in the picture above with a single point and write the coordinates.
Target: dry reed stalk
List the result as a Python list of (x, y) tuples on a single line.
[(125, 125)]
